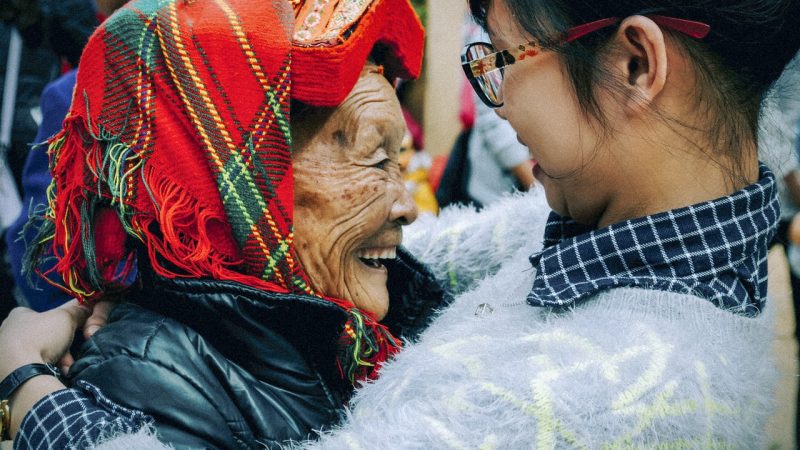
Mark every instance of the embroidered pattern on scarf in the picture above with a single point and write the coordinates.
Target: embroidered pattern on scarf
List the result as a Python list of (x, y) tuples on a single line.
[(325, 21), (715, 250)]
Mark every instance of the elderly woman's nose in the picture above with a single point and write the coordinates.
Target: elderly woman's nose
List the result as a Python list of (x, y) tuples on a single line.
[(404, 209)]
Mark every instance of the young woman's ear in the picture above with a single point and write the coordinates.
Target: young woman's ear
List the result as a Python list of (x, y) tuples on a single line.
[(641, 61)]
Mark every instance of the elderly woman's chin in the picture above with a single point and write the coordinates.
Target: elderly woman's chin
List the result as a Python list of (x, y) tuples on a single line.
[(367, 285), (360, 276), (352, 269)]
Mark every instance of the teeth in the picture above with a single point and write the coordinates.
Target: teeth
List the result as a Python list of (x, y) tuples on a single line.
[(378, 253)]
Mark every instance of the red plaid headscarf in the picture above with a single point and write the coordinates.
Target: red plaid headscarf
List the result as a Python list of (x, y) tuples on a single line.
[(178, 141)]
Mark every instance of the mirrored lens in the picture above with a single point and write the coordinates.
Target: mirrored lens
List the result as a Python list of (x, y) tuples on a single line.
[(485, 71), (492, 84)]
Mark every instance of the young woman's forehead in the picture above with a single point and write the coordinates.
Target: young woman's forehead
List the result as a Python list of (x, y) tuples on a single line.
[(499, 22), (502, 23)]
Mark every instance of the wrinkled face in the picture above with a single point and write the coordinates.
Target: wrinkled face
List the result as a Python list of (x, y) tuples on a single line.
[(541, 106), (350, 198)]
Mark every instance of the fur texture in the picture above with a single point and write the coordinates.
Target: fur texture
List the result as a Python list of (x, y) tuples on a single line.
[(463, 246), (143, 440), (779, 126), (629, 368)]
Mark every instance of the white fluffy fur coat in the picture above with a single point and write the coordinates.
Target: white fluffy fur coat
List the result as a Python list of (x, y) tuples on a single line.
[(629, 368)]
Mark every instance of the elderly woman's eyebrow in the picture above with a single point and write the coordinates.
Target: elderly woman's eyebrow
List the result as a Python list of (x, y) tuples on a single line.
[(341, 138), (344, 139)]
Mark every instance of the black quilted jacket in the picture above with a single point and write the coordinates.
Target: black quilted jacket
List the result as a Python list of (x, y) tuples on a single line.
[(221, 365)]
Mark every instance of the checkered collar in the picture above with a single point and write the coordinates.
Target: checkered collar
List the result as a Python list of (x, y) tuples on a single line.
[(716, 250)]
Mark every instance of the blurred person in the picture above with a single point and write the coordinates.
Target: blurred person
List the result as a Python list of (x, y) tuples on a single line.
[(780, 148), (498, 163), (497, 166), (55, 101), (37, 66), (415, 162), (486, 161), (789, 232), (52, 31)]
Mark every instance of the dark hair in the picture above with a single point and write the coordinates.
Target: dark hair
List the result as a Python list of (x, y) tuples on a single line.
[(750, 43)]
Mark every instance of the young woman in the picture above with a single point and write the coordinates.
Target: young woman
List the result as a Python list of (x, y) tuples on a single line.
[(641, 320), (261, 259), (644, 321)]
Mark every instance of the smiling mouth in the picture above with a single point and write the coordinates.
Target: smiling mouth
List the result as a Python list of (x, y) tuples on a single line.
[(376, 257)]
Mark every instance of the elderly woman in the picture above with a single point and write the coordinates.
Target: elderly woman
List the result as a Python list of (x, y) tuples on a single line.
[(262, 259)]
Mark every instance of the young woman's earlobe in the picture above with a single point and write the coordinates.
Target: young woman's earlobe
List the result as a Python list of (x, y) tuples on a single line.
[(641, 62)]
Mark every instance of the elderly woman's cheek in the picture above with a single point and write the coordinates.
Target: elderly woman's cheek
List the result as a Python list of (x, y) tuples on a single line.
[(372, 229), (359, 195), (366, 204)]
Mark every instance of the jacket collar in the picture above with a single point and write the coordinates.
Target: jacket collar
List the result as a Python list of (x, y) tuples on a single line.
[(237, 318), (244, 323)]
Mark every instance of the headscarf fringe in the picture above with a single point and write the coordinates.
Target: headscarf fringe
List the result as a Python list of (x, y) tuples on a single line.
[(364, 346), (176, 236), (66, 247), (42, 230), (182, 237)]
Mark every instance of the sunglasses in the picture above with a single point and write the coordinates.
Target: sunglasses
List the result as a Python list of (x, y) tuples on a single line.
[(484, 65)]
